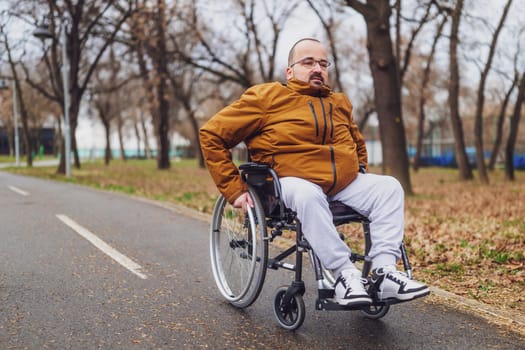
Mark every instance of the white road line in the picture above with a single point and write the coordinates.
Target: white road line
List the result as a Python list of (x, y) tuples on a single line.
[(19, 191), (103, 246)]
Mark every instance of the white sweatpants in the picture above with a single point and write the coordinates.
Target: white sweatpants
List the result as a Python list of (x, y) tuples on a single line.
[(379, 197)]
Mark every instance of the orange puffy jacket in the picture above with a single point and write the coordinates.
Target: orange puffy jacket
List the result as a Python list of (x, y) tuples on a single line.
[(296, 129)]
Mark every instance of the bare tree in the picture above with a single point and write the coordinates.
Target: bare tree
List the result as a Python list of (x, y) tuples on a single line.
[(160, 62), (500, 121), (423, 94), (478, 128), (102, 105), (386, 88), (149, 31), (405, 61), (251, 56), (20, 101), (107, 88), (6, 117), (513, 134), (92, 27), (188, 97), (453, 99)]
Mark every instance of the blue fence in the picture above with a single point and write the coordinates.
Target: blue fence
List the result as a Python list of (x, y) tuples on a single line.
[(449, 160)]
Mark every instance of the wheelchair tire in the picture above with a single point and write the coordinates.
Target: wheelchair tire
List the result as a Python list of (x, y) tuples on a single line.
[(239, 250), (376, 312), (290, 316)]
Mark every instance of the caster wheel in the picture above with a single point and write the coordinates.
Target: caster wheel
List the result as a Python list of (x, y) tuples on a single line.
[(375, 312), (290, 316)]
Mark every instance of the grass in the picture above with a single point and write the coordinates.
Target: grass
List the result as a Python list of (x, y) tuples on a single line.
[(463, 237), (9, 159)]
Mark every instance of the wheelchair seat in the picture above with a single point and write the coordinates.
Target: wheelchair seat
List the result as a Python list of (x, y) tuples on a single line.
[(343, 214), (266, 182)]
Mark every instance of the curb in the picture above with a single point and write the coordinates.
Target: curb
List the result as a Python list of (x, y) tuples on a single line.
[(491, 313)]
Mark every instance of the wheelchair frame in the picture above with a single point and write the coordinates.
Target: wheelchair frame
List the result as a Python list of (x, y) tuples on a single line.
[(244, 250)]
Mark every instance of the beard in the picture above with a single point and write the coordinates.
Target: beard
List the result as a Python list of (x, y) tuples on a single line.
[(316, 79)]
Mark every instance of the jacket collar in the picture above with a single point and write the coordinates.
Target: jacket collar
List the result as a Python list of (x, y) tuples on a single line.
[(305, 88)]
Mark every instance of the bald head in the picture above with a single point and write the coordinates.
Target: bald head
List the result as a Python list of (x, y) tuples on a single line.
[(298, 43), (308, 62)]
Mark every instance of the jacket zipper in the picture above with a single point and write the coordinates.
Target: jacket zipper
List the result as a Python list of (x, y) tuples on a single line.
[(315, 118), (332, 159), (324, 118), (331, 122)]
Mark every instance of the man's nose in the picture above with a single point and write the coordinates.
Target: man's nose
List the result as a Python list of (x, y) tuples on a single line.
[(317, 67)]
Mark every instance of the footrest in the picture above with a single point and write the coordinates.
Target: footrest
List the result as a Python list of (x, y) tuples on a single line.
[(331, 305)]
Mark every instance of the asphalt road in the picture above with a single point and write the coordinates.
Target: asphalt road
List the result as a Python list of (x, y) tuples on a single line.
[(85, 269)]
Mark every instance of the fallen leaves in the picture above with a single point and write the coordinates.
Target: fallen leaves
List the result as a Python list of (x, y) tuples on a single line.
[(469, 238)]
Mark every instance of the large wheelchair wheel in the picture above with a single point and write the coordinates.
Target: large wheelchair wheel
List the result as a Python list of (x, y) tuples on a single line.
[(290, 314), (239, 250)]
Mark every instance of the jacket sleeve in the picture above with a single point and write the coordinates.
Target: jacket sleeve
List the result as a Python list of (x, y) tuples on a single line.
[(362, 154), (222, 132)]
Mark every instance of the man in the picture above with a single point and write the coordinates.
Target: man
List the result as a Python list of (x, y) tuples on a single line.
[(307, 134)]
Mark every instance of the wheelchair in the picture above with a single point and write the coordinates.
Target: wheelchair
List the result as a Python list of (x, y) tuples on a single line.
[(240, 258)]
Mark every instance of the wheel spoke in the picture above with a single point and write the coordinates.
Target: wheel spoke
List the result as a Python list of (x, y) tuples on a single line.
[(238, 249)]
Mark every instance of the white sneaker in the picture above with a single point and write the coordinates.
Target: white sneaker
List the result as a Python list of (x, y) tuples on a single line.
[(395, 285), (349, 289)]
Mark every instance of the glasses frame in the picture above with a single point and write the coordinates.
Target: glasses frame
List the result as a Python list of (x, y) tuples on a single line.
[(323, 64)]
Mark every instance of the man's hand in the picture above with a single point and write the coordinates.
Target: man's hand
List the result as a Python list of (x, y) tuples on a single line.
[(243, 201)]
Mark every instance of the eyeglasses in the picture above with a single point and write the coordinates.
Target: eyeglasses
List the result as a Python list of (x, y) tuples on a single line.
[(309, 63)]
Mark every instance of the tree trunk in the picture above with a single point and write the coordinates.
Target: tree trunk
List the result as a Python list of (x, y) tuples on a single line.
[(195, 127), (513, 133), (387, 95), (422, 99), (137, 135), (147, 149), (107, 151), (453, 97), (121, 138), (499, 124), (19, 104), (74, 109), (163, 159), (478, 124)]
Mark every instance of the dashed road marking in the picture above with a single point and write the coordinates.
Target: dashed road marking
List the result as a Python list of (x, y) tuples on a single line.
[(103, 246), (19, 191)]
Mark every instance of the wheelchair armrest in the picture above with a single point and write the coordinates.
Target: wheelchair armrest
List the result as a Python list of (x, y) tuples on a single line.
[(343, 214), (265, 179), (254, 167), (254, 173)]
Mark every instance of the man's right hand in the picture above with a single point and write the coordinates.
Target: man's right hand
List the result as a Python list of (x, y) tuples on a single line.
[(243, 201)]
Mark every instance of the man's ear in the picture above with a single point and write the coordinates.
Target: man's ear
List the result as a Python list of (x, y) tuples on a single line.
[(289, 73)]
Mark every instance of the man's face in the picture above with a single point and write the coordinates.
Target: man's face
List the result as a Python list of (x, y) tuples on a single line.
[(309, 57)]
